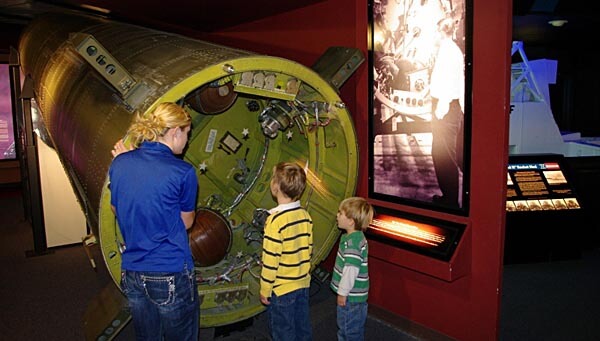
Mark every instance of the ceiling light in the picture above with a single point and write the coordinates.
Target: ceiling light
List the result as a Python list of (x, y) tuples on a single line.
[(558, 22)]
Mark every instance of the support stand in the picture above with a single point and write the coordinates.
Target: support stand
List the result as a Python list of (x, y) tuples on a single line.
[(106, 315), (26, 148)]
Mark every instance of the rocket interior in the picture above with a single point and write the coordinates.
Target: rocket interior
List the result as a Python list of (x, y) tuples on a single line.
[(92, 76)]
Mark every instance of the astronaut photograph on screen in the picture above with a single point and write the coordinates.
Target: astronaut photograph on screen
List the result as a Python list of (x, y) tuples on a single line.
[(418, 92)]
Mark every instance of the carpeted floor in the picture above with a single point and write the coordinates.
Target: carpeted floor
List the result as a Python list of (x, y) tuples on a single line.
[(552, 301), (45, 297)]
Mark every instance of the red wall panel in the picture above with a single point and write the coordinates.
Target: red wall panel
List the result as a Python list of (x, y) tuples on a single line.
[(466, 308)]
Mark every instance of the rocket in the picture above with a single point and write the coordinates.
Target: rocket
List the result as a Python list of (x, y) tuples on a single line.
[(91, 76)]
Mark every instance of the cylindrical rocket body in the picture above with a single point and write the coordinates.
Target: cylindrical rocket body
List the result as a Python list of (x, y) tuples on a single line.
[(249, 112), (84, 119)]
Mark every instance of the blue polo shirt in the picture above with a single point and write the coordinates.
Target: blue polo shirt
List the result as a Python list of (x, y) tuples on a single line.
[(150, 187)]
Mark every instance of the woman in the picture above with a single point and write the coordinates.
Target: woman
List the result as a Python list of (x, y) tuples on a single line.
[(153, 195)]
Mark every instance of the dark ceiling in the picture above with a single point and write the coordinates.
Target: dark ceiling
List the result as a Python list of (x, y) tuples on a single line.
[(531, 23), (572, 45), (530, 20), (198, 15)]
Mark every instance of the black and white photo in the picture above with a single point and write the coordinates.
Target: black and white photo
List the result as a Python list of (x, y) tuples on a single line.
[(420, 103)]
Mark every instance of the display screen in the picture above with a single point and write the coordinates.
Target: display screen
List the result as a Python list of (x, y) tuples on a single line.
[(423, 235), (420, 75), (7, 133), (539, 183)]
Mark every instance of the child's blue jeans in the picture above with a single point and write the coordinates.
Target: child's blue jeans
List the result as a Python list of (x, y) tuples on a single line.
[(289, 316), (351, 321)]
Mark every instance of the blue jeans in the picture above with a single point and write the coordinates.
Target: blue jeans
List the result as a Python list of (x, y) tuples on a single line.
[(289, 316), (162, 304), (351, 321)]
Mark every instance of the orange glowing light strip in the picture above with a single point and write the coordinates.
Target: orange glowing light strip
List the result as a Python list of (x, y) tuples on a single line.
[(407, 229)]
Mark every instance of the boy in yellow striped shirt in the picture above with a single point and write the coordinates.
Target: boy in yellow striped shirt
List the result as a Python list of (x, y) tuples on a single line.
[(287, 250)]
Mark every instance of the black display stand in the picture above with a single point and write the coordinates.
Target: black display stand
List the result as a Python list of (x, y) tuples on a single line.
[(544, 214), (28, 157)]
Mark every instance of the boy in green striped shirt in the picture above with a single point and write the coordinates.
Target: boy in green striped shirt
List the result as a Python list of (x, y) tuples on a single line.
[(350, 280)]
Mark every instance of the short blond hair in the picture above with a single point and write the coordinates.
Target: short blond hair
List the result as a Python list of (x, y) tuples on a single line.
[(291, 179), (359, 210), (150, 127)]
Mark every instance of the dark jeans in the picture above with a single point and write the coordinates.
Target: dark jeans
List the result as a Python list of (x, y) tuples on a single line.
[(447, 151), (351, 321), (289, 316), (162, 304)]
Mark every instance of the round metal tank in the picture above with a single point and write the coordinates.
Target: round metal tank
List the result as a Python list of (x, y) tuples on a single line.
[(249, 112)]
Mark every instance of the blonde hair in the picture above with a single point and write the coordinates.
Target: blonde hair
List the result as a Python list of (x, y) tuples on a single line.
[(291, 179), (150, 127), (359, 210)]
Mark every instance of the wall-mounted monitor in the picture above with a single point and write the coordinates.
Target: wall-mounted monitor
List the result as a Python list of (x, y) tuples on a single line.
[(420, 71)]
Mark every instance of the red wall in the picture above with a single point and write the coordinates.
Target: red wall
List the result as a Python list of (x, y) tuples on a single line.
[(465, 308)]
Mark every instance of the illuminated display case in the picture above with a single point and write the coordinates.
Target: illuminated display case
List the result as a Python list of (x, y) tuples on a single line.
[(438, 248), (423, 235), (544, 212), (408, 163), (539, 183)]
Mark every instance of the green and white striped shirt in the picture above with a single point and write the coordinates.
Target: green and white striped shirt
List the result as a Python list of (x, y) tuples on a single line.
[(351, 272)]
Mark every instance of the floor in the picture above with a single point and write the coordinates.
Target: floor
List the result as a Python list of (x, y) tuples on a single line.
[(46, 296)]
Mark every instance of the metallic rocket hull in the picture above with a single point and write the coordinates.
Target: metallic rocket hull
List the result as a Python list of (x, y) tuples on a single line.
[(249, 112)]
